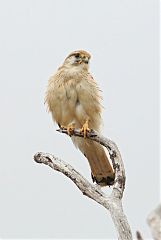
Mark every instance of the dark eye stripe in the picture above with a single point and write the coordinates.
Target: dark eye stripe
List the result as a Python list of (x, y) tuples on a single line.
[(77, 55)]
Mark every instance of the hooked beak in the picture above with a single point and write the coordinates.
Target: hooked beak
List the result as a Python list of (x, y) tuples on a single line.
[(86, 60)]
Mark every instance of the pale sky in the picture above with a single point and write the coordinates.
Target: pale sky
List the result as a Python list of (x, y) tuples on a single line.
[(36, 36)]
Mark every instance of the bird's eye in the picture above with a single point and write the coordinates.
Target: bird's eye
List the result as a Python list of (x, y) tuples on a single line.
[(77, 56)]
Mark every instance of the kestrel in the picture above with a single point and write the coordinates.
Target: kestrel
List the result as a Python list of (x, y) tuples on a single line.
[(74, 100)]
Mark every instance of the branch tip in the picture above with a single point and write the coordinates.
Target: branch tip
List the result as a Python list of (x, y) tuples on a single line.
[(37, 157)]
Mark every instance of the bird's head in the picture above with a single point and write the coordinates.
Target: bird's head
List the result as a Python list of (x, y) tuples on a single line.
[(78, 59)]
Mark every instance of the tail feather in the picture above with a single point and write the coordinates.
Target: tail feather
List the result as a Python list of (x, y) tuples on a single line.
[(101, 170)]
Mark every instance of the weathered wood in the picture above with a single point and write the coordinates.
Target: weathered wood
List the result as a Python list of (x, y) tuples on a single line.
[(154, 222), (113, 202), (138, 236)]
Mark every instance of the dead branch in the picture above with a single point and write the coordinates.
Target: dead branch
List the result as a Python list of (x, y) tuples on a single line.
[(138, 236), (112, 203), (154, 222)]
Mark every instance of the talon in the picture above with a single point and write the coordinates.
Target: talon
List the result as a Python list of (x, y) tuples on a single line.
[(70, 128), (85, 129), (63, 127)]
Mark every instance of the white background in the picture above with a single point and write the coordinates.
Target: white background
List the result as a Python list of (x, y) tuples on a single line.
[(35, 37)]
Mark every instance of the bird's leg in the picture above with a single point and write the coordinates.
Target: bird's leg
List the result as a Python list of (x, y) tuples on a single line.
[(85, 128)]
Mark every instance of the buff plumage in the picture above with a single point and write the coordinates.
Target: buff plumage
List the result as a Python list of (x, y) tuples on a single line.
[(74, 99)]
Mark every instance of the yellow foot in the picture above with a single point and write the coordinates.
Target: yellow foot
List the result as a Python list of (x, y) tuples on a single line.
[(69, 129), (63, 127), (85, 129)]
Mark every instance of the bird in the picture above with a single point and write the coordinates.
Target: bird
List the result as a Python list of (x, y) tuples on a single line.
[(74, 100)]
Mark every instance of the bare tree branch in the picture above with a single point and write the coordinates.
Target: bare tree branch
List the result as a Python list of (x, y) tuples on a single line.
[(154, 222), (115, 156), (113, 202), (138, 236), (88, 189)]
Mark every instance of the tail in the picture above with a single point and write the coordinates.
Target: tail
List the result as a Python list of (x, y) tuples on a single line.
[(101, 170)]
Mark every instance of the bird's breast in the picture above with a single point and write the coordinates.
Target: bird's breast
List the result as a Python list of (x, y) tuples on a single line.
[(65, 102), (72, 100)]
